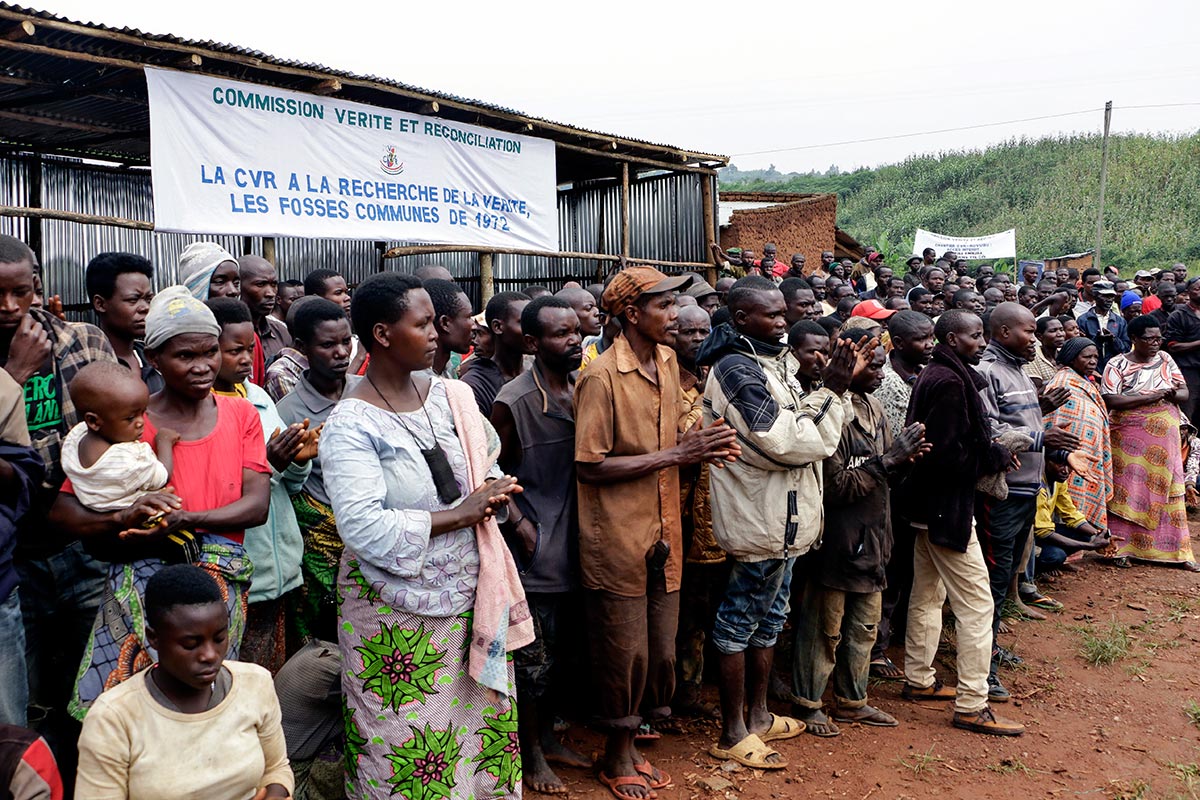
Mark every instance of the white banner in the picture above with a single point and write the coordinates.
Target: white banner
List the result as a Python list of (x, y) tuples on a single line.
[(238, 158), (972, 248)]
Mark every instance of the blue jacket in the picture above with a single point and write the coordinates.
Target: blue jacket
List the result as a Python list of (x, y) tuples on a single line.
[(15, 500), (1089, 326), (275, 547)]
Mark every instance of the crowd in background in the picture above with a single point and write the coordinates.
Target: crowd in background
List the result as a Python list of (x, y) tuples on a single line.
[(302, 539)]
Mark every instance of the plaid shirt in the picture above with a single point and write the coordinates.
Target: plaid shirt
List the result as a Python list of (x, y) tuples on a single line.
[(73, 346)]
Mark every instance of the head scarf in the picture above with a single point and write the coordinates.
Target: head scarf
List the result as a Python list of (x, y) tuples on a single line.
[(198, 263), (1072, 348), (1129, 298), (174, 312)]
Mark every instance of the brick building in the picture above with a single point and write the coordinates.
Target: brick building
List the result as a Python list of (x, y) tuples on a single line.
[(795, 223)]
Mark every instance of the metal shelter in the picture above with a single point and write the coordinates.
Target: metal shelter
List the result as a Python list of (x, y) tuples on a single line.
[(75, 144)]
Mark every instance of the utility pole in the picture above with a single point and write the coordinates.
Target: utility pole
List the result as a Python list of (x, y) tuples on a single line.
[(1103, 177)]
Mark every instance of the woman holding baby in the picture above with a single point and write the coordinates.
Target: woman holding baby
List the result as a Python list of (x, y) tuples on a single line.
[(219, 486)]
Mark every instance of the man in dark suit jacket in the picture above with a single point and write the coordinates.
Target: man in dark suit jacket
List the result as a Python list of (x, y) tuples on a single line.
[(939, 501)]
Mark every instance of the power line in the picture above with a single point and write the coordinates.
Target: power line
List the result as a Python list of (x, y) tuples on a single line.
[(952, 130)]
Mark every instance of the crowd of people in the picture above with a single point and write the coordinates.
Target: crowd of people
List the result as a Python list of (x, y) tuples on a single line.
[(302, 539)]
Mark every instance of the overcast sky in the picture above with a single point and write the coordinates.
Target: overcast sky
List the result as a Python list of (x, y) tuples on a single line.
[(745, 76)]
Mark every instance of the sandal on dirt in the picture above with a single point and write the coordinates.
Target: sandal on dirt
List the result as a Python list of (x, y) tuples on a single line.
[(614, 785), (886, 670), (646, 734), (1044, 603), (782, 728), (749, 752), (873, 717), (646, 770)]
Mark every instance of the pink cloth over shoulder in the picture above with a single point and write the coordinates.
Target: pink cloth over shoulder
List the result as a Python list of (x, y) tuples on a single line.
[(501, 621)]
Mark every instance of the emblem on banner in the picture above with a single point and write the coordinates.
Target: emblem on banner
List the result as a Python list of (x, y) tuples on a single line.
[(391, 163)]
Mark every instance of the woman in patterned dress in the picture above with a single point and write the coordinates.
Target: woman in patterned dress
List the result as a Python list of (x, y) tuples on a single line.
[(417, 722), (1143, 390)]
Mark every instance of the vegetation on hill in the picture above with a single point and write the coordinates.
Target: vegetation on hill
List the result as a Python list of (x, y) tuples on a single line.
[(1047, 189)]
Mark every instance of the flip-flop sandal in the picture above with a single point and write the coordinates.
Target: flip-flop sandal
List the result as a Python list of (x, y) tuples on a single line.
[(646, 770), (1045, 603), (876, 719), (886, 670), (782, 728), (614, 785), (646, 734), (749, 752)]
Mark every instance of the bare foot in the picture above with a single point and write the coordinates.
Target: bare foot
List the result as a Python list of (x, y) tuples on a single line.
[(558, 753), (1025, 610), (622, 766), (542, 780), (817, 723)]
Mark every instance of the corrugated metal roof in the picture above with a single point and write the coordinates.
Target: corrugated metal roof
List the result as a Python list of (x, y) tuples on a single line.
[(42, 68)]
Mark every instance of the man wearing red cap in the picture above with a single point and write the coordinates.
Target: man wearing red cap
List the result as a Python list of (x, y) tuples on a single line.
[(628, 450)]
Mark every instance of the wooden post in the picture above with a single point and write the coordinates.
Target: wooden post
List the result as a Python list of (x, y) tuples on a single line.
[(1103, 178), (269, 249), (625, 209), (486, 285), (706, 201)]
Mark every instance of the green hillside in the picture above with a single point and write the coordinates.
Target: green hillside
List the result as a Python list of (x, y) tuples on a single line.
[(1047, 189)]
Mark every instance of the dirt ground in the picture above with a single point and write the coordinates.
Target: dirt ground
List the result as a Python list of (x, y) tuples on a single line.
[(1120, 730)]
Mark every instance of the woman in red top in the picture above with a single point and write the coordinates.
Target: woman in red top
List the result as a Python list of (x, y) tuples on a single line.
[(219, 487)]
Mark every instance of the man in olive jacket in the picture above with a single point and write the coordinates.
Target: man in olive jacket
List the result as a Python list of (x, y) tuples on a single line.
[(841, 602)]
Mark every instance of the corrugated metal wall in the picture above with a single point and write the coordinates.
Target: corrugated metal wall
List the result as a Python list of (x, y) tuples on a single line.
[(665, 223)]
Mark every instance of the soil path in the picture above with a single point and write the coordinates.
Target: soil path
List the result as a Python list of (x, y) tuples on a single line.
[(1120, 730)]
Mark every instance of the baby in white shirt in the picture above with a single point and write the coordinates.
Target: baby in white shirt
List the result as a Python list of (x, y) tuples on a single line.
[(109, 466)]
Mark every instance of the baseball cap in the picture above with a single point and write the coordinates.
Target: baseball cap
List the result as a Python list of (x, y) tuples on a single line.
[(1156, 271), (1104, 287), (875, 257), (1143, 273), (629, 284), (871, 309)]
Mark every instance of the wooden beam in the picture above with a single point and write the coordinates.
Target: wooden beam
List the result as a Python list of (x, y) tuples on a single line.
[(487, 283), (428, 249), (432, 107), (190, 61), (22, 30), (649, 162), (251, 61), (73, 216), (710, 225), (327, 87), (57, 122), (269, 249), (625, 236), (16, 80)]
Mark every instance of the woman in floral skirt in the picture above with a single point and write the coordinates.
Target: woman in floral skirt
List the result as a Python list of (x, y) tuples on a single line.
[(431, 602)]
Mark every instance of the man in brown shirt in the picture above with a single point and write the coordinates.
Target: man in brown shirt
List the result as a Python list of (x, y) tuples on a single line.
[(628, 453)]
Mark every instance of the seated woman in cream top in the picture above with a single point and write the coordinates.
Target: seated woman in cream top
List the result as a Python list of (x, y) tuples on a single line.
[(192, 725)]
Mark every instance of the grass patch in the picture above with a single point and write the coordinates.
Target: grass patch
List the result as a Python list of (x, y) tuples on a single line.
[(1129, 790), (1008, 766), (1192, 709), (1188, 775), (1180, 609), (1138, 668), (921, 763), (1105, 644)]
